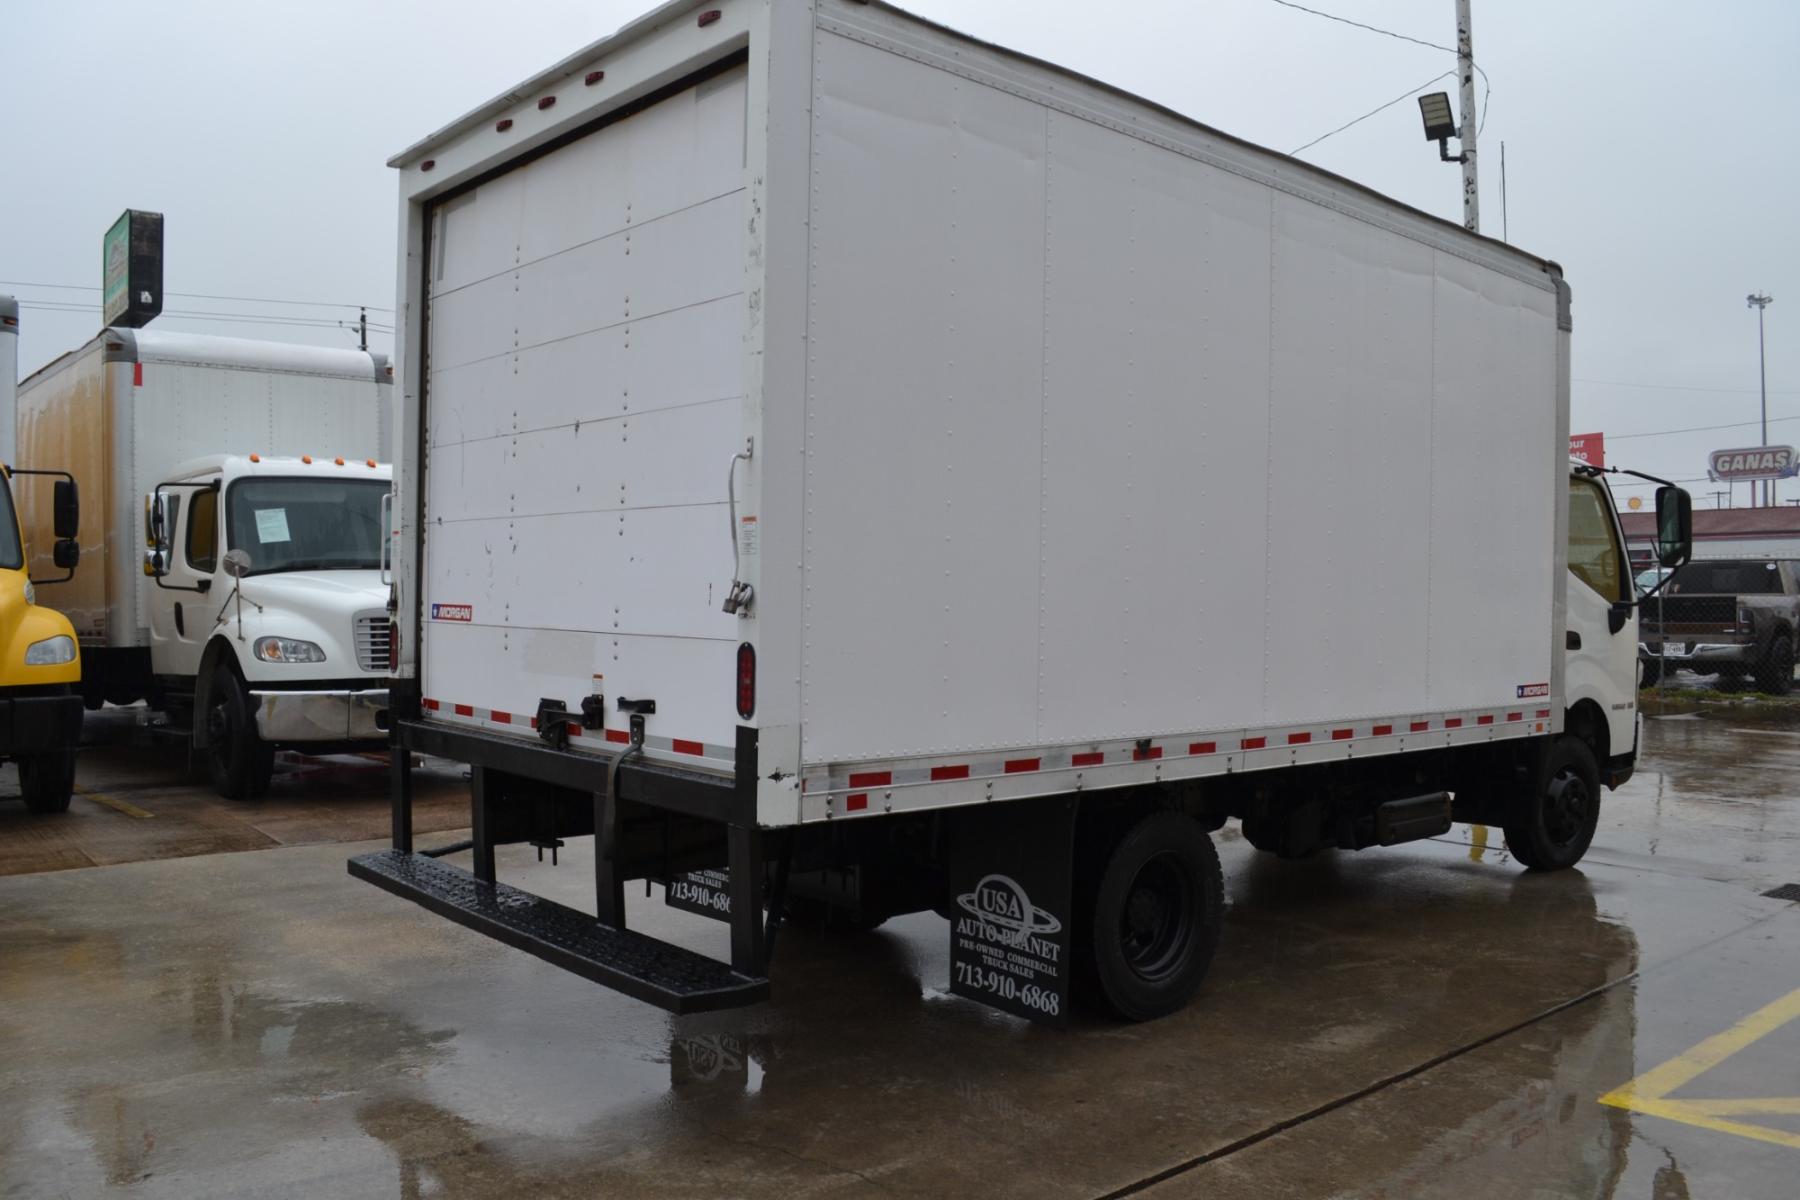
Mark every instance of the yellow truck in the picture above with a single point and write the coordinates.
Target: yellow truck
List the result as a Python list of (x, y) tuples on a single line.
[(40, 662)]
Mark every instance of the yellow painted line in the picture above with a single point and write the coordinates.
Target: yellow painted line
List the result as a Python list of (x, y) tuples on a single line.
[(119, 806), (1650, 1092), (1477, 842)]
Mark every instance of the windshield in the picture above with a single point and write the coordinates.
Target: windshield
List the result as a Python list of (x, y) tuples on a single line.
[(12, 555), (1737, 577), (306, 524)]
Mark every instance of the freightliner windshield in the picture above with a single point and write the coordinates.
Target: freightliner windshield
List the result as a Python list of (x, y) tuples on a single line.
[(12, 555), (298, 524)]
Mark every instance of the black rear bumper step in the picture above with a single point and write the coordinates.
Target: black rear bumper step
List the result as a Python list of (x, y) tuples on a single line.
[(642, 967)]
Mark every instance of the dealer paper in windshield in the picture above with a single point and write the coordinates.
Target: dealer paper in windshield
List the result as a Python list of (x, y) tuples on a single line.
[(272, 526)]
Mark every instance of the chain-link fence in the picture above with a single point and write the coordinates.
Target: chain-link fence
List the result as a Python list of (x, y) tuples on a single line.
[(1725, 624)]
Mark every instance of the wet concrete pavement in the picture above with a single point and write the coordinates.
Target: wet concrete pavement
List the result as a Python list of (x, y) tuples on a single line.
[(1422, 1021)]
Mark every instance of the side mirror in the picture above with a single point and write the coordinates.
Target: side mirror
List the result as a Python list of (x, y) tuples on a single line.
[(1674, 526), (66, 509), (153, 562), (65, 554), (236, 563)]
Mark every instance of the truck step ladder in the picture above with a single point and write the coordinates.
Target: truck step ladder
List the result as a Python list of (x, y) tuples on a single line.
[(669, 976)]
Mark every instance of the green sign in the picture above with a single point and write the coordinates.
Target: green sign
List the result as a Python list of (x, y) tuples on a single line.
[(131, 270)]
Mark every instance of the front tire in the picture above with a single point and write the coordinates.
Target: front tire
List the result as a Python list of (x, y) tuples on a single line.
[(1150, 923), (240, 763), (47, 781), (1551, 828)]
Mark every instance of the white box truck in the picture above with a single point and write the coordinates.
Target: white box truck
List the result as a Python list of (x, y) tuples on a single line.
[(855, 470), (234, 578)]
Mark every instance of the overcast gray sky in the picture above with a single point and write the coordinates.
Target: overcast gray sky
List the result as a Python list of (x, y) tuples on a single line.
[(1653, 148)]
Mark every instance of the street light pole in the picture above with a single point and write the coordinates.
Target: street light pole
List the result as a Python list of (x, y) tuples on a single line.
[(1465, 77), (1760, 301)]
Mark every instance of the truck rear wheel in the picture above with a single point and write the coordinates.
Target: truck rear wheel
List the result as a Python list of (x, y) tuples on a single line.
[(1775, 674), (47, 781), (1551, 828), (241, 763), (1150, 921)]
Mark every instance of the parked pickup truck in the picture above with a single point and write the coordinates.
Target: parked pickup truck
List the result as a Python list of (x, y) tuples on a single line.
[(1733, 617)]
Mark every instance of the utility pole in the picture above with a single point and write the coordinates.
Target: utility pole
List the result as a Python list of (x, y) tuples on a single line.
[(1465, 77), (362, 332), (1759, 301)]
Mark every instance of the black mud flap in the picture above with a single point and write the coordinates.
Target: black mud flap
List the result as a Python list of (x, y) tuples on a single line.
[(1011, 886), (644, 967)]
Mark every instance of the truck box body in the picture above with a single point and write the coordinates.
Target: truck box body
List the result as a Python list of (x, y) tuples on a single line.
[(1087, 446), (127, 408)]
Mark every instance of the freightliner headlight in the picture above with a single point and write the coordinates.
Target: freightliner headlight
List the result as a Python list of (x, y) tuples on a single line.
[(288, 650), (50, 652)]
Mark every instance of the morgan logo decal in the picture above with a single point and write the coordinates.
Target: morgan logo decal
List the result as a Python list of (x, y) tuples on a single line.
[(461, 612), (1007, 913), (1527, 690)]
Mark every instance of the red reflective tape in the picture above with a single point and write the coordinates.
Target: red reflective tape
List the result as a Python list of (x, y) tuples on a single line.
[(617, 735), (869, 779), (1420, 726), (1342, 735), (465, 710), (1299, 739), (1202, 747), (1152, 752), (683, 746), (1452, 722), (1254, 743), (1015, 765), (1515, 716), (501, 718), (532, 721), (431, 705), (856, 802), (1543, 712), (1382, 730), (1089, 758), (574, 728), (708, 17), (939, 774), (1485, 719), (137, 374)]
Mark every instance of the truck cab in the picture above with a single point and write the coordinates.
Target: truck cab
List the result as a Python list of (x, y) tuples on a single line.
[(40, 666), (267, 607)]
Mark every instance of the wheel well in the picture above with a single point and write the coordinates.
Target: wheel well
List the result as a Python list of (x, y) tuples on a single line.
[(218, 651), (1586, 721)]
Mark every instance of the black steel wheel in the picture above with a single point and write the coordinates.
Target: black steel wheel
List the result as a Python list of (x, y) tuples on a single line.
[(1551, 828), (47, 781), (1151, 922), (1775, 674), (240, 762)]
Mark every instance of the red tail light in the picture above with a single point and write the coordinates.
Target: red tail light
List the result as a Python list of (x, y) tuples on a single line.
[(746, 680)]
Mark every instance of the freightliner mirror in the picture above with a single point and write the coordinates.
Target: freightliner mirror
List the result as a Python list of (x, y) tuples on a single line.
[(1674, 526), (66, 509)]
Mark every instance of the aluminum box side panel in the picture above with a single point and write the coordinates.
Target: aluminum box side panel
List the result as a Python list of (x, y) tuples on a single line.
[(1273, 434), (584, 391)]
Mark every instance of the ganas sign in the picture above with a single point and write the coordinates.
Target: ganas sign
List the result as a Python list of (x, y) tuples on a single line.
[(1753, 462)]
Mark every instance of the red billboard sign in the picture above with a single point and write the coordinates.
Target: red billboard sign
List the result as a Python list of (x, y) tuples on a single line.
[(1590, 448)]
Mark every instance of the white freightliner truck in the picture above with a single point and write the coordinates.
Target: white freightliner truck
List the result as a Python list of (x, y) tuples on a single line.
[(855, 470), (234, 579)]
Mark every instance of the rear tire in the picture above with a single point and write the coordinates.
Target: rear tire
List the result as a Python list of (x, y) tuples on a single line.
[(1775, 675), (1149, 923), (240, 763), (1551, 828), (47, 781), (1652, 675)]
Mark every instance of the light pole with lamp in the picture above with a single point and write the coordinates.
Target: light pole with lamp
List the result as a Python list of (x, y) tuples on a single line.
[(1760, 301)]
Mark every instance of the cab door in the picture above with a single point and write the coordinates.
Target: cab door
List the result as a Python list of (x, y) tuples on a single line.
[(1601, 662), (182, 604)]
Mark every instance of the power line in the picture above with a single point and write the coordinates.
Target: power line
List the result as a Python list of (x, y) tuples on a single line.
[(1372, 111), (88, 287), (1620, 437), (227, 318), (1682, 387), (1487, 85)]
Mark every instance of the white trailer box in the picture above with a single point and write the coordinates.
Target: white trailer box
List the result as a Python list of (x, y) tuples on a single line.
[(142, 413), (1042, 440)]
